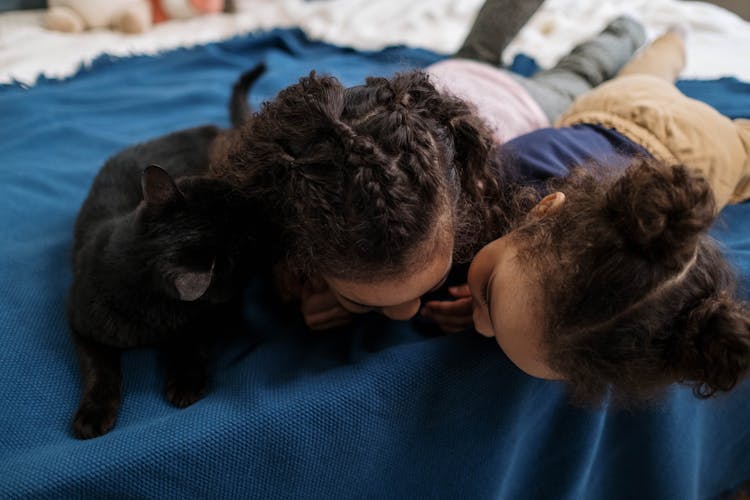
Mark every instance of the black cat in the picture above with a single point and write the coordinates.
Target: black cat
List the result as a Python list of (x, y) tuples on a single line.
[(157, 262)]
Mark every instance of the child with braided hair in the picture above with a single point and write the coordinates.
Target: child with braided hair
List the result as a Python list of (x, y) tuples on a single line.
[(367, 182)]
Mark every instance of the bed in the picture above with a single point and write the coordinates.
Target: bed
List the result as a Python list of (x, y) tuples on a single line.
[(379, 410)]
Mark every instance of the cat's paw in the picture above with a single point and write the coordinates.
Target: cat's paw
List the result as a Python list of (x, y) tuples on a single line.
[(184, 391), (92, 420)]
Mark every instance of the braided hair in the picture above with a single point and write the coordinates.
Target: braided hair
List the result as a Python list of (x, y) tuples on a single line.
[(357, 179)]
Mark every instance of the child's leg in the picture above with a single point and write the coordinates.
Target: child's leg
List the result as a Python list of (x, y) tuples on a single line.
[(497, 22), (664, 58), (588, 65)]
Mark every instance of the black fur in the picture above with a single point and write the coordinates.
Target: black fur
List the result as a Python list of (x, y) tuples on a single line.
[(157, 262)]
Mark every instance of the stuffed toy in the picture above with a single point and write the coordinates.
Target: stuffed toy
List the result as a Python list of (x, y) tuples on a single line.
[(128, 16), (184, 9)]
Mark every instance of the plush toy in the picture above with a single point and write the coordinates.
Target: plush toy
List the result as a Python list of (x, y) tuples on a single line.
[(129, 16), (184, 9)]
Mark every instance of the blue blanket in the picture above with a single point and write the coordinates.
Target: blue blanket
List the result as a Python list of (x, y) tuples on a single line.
[(377, 411)]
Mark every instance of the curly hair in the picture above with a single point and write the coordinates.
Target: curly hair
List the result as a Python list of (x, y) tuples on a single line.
[(641, 296), (356, 179)]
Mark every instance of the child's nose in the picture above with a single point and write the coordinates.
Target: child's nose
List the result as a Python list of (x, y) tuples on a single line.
[(404, 311)]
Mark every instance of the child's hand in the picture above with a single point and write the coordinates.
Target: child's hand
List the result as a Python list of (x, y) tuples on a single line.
[(451, 315), (321, 308)]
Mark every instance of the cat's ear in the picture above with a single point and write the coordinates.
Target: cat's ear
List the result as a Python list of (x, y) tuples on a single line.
[(191, 285), (158, 186)]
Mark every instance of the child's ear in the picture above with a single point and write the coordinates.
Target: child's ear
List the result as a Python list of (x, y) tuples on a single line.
[(158, 186), (549, 205)]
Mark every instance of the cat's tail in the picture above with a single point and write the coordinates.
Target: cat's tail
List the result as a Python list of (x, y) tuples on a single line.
[(239, 109)]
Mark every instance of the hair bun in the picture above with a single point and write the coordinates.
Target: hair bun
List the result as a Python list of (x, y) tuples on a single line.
[(660, 209), (714, 348)]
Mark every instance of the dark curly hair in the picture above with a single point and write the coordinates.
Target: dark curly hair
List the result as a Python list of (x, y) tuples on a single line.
[(357, 178), (641, 296)]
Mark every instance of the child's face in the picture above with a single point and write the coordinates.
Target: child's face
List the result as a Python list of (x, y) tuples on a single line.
[(397, 298), (507, 301)]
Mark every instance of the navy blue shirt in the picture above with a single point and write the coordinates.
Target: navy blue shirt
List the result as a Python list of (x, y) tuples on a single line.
[(552, 152)]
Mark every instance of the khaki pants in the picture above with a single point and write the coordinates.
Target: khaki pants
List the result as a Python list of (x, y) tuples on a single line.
[(643, 104)]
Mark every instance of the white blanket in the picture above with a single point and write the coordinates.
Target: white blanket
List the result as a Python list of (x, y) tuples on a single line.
[(718, 45)]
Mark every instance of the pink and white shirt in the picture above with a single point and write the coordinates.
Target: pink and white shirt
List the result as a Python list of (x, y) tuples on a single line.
[(499, 99)]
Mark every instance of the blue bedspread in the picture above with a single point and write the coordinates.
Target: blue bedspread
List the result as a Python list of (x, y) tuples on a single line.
[(377, 411)]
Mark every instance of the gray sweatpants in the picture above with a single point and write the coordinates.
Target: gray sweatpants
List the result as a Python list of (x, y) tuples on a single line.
[(586, 66)]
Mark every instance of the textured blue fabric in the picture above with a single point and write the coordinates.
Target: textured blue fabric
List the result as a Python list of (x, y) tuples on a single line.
[(376, 411), (524, 65), (728, 95)]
